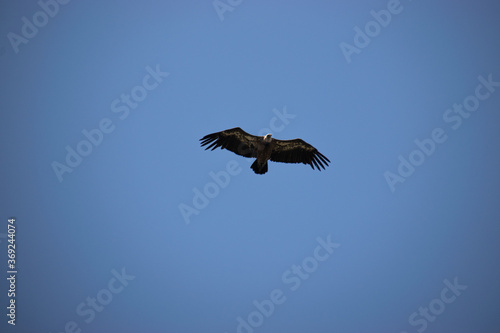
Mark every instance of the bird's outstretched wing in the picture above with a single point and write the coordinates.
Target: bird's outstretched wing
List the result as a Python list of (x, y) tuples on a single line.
[(298, 151), (235, 139)]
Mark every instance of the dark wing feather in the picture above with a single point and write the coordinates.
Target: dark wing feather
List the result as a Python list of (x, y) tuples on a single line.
[(298, 151), (235, 139)]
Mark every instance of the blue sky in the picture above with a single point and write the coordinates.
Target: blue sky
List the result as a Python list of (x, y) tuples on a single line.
[(123, 223)]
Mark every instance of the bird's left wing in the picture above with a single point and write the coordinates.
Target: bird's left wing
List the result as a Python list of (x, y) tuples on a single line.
[(298, 151), (235, 139)]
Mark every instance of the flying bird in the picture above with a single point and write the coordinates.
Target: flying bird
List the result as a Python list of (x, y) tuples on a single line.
[(265, 148)]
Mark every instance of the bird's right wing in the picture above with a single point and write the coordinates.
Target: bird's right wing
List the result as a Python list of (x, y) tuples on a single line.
[(298, 151)]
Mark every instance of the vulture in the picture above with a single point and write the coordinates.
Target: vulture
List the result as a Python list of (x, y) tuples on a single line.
[(265, 148)]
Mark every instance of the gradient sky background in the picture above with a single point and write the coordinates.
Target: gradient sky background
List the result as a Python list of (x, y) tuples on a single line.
[(120, 207)]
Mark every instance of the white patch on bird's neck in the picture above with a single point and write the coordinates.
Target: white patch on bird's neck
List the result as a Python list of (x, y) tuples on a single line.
[(268, 138)]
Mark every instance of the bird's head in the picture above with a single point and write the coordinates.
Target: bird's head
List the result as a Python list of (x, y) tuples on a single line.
[(268, 138)]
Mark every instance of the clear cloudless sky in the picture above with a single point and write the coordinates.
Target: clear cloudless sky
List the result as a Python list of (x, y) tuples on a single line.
[(124, 224)]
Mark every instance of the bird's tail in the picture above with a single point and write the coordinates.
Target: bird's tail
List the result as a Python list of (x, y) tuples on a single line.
[(259, 169)]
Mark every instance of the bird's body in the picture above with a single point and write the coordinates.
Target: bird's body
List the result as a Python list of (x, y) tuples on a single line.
[(265, 148)]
